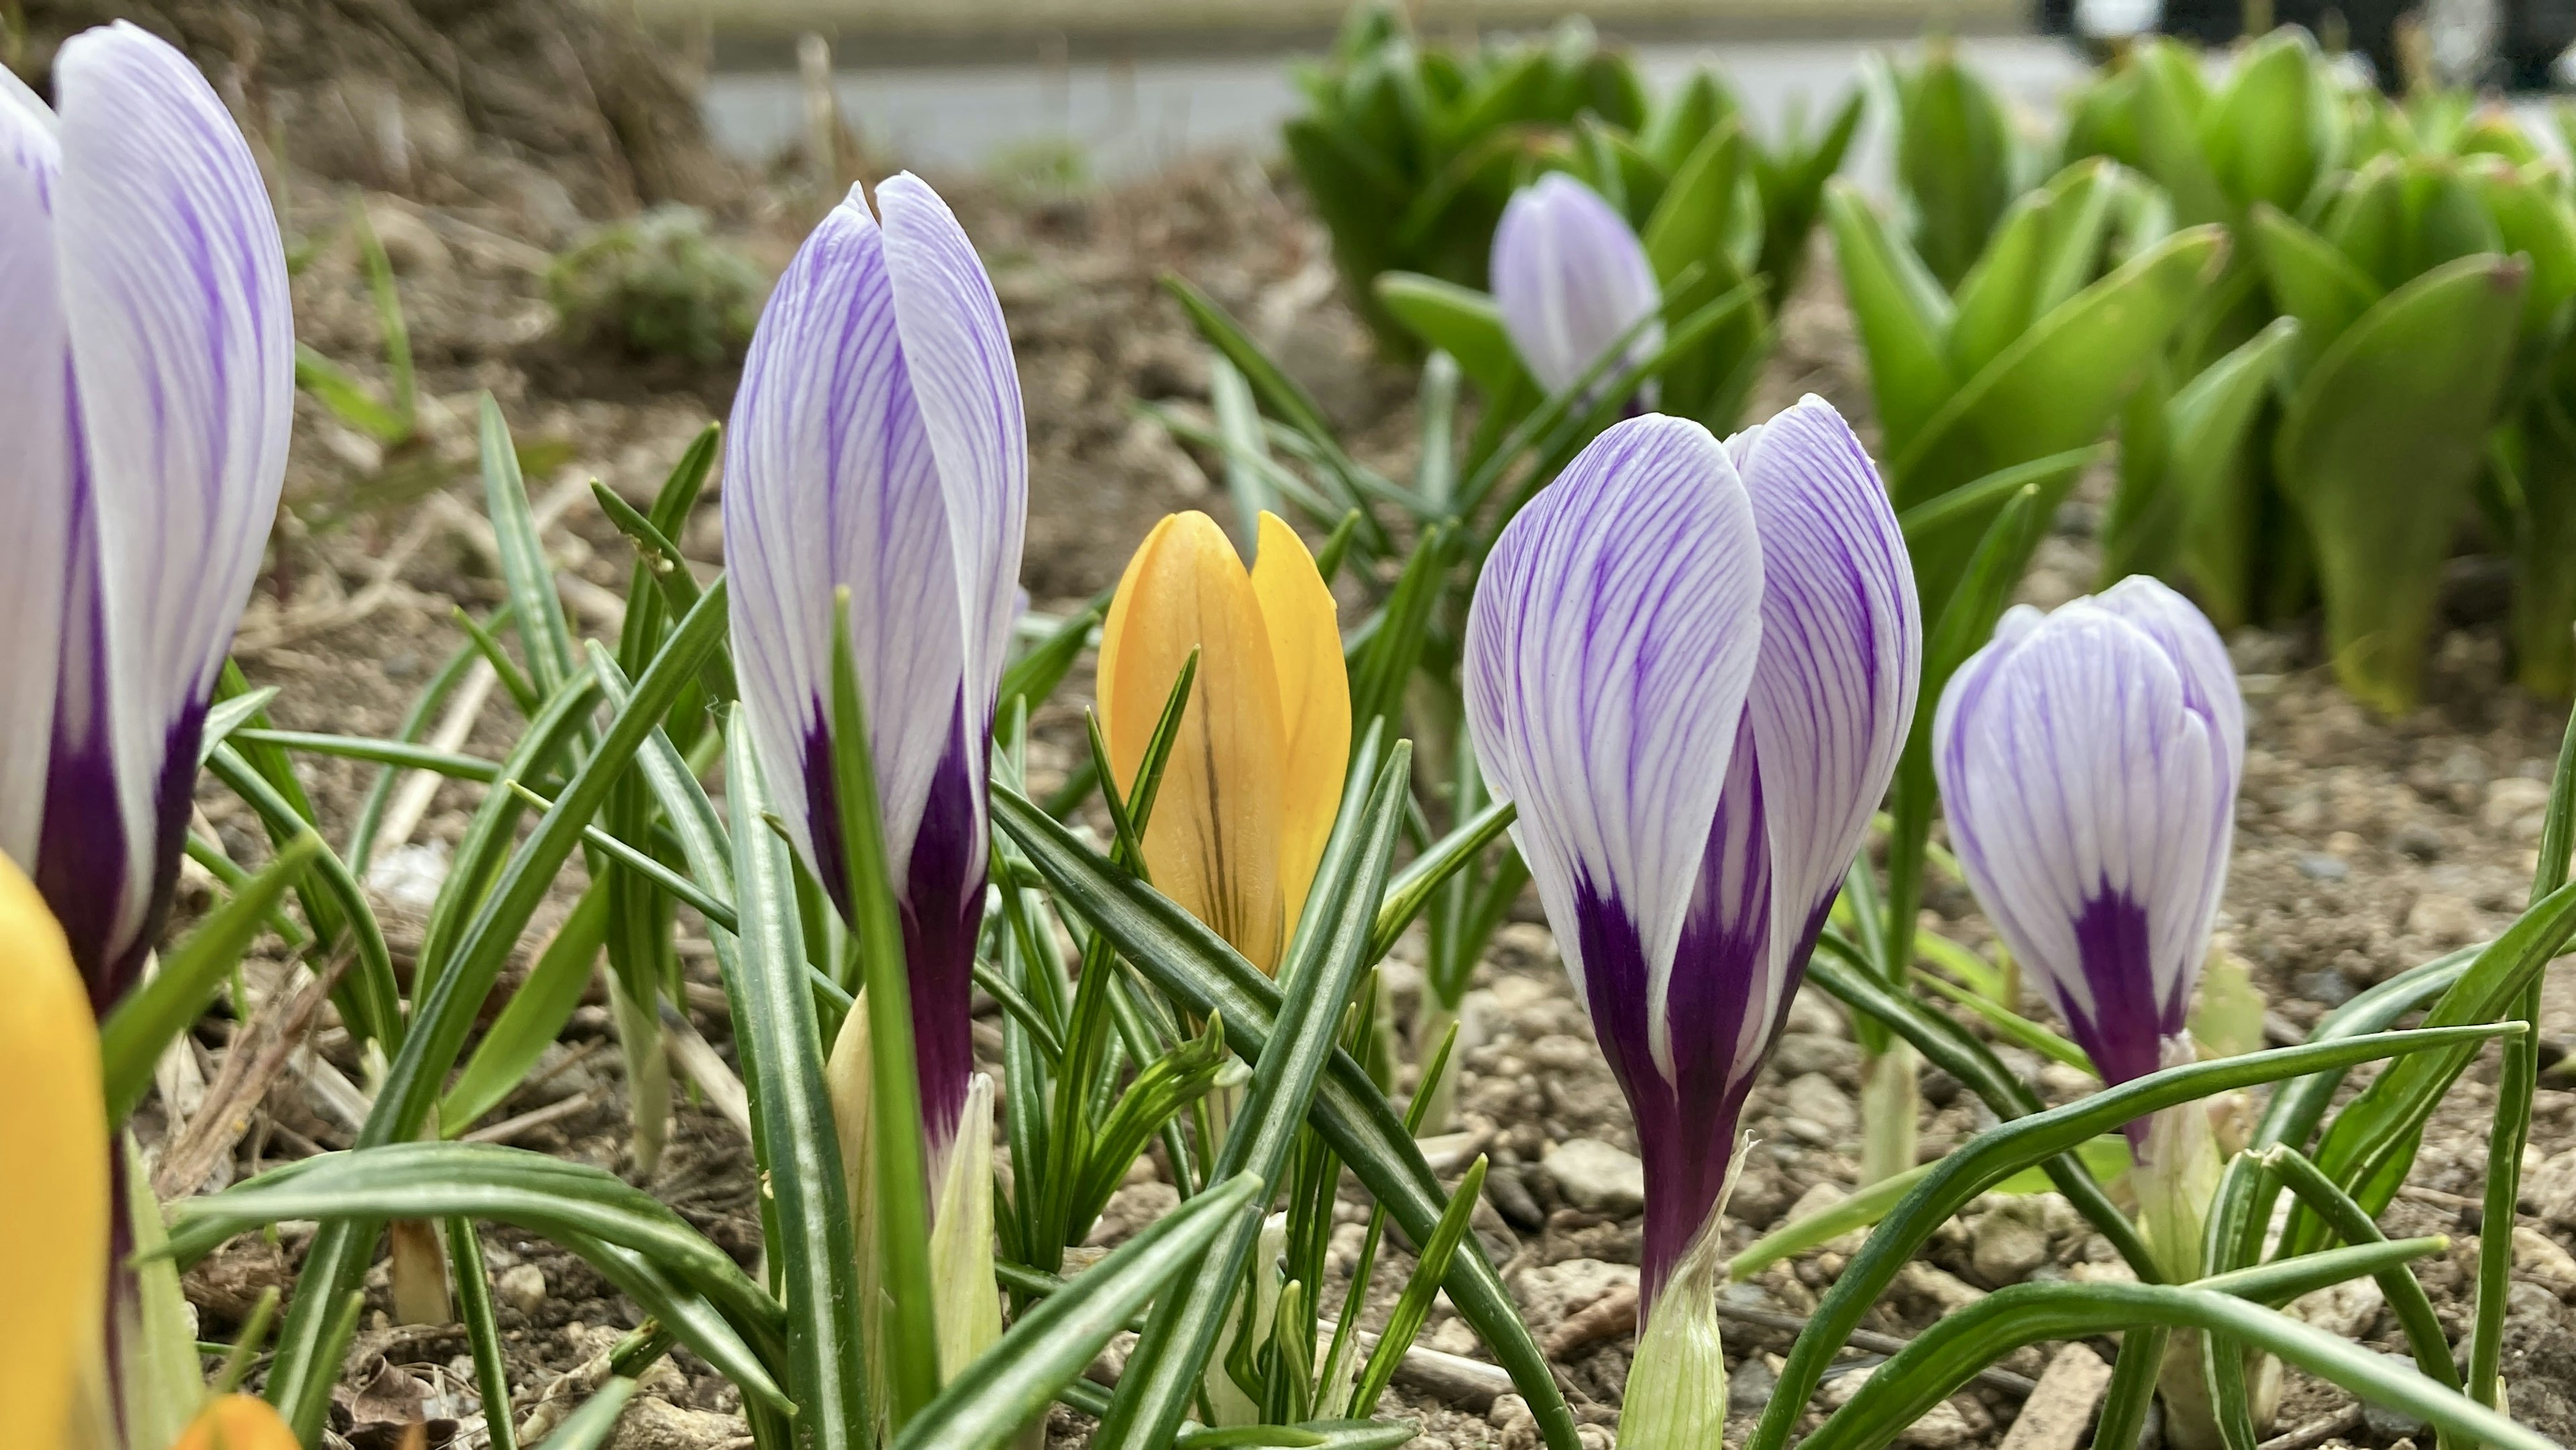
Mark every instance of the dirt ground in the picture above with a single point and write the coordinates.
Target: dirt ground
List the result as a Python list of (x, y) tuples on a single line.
[(2364, 847)]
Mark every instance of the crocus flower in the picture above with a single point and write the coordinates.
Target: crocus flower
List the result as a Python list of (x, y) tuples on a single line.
[(2088, 762), (53, 1136), (1571, 278), (878, 446), (1254, 778), (1691, 667), (143, 309)]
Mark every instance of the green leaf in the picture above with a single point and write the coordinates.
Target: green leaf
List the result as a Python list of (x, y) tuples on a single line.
[(2311, 281), (444, 1013), (2202, 511), (1995, 1154), (579, 1206), (1456, 320), (589, 1427), (1323, 962), (806, 1198), (1954, 160), (876, 937), (140, 1027), (534, 605), (2058, 384), (1009, 1385), (482, 1331), (1840, 970), (349, 400), (1205, 976), (2405, 1293), (2012, 1025), (2379, 450), (1943, 1357), (1903, 316), (1411, 888), (533, 1018), (1696, 215), (1413, 1306)]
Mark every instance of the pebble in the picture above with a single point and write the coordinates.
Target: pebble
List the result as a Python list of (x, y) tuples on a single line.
[(2442, 919), (522, 1288), (2550, 1189), (2514, 806), (1591, 1174), (1816, 1098), (1945, 1291), (2318, 866), (1551, 1293), (2539, 1255), (2384, 1423), (1749, 1386), (653, 1423), (1511, 1198), (2060, 1410), (2344, 1310), (1941, 1428), (2418, 841), (2325, 986), (2005, 1246)]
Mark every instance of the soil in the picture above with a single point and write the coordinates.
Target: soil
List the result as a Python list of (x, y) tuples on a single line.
[(2365, 845)]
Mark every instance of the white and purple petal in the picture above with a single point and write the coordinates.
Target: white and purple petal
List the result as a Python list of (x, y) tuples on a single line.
[(2088, 762), (1570, 277), (36, 477), (836, 478), (1610, 648), (175, 296), (1834, 692)]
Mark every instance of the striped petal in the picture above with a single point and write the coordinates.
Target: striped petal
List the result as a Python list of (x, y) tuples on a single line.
[(831, 483), (1314, 701), (1570, 276), (1213, 841), (2088, 772), (834, 480), (174, 287), (36, 479), (54, 1139), (958, 352), (1833, 695), (1610, 650)]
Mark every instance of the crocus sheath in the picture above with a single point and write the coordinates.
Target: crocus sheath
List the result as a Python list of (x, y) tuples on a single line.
[(143, 288), (2088, 762), (1691, 666), (1570, 277), (878, 446), (1254, 778), (53, 1136)]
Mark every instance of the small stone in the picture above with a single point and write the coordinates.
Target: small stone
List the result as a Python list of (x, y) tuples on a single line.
[(1594, 1437), (1130, 1209), (1816, 1098), (1453, 1337), (1593, 1175), (2325, 986), (2060, 1410), (1515, 1427), (2384, 1423), (1806, 1052), (2318, 866), (1749, 1386), (2443, 920), (1551, 1293), (1946, 1292), (522, 1288), (1510, 1195), (2004, 1247), (2514, 806), (2537, 1254), (1941, 1428), (1837, 1389), (2417, 841), (653, 1423), (2550, 1189), (2344, 1310)]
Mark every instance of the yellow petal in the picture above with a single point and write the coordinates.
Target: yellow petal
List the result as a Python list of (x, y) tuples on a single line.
[(1212, 843), (237, 1422), (53, 1137), (1314, 702)]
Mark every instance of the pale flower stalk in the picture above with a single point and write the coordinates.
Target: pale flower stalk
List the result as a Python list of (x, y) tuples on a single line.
[(1691, 665)]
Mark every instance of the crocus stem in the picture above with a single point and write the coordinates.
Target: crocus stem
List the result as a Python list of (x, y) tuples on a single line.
[(648, 1074), (1891, 1107), (1677, 1382), (417, 1274), (1430, 1026), (2176, 1177)]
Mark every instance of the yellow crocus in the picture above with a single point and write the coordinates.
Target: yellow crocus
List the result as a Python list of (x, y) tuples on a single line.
[(1255, 777), (53, 1136), (237, 1422)]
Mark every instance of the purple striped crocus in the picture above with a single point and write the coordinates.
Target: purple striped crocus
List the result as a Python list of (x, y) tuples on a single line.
[(878, 445), (1691, 666), (144, 410), (1571, 278), (2088, 761)]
